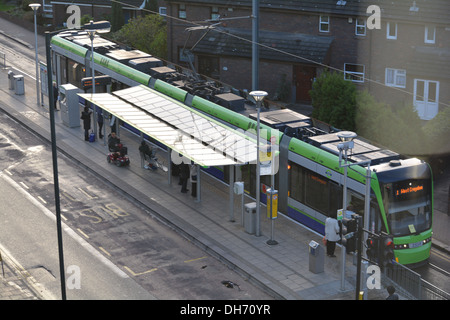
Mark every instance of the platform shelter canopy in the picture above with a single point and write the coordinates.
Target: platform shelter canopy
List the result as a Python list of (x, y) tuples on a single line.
[(202, 139)]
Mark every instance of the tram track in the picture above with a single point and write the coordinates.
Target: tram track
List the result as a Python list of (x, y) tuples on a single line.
[(435, 267)]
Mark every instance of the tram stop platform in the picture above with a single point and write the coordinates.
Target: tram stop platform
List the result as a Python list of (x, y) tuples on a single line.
[(282, 270)]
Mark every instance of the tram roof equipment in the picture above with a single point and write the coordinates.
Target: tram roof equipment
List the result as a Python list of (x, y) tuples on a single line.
[(362, 151), (199, 138)]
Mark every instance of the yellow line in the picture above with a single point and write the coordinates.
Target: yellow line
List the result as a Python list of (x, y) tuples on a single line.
[(187, 261), (87, 194), (84, 234), (24, 185), (442, 255), (42, 200), (106, 252), (141, 273)]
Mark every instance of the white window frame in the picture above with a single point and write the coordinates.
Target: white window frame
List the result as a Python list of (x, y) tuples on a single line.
[(162, 11), (426, 108), (47, 6), (397, 74), (324, 23), (360, 23), (215, 13), (348, 75), (182, 11), (390, 25), (427, 33)]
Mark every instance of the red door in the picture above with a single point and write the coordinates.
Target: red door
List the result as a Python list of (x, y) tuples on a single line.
[(303, 79)]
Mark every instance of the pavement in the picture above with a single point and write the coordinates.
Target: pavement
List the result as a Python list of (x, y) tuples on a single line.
[(282, 270)]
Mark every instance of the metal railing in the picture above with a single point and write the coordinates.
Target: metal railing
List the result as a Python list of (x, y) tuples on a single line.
[(413, 285)]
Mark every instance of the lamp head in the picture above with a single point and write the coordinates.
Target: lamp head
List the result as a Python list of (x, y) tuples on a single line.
[(97, 27), (346, 136), (34, 6), (258, 95)]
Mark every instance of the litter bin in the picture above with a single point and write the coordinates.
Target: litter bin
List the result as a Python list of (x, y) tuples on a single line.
[(19, 84), (11, 80), (250, 218), (316, 257)]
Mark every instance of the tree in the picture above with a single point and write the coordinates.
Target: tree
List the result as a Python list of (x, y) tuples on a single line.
[(146, 33), (437, 131), (334, 100), (397, 127)]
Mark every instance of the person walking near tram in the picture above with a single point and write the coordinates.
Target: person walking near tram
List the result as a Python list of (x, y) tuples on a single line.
[(331, 235)]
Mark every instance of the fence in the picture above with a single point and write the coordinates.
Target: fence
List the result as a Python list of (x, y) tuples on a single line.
[(413, 284)]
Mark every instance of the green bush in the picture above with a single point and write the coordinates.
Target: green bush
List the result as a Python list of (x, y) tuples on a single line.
[(334, 100)]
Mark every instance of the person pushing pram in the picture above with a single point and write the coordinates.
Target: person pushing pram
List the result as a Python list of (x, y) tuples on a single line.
[(148, 154)]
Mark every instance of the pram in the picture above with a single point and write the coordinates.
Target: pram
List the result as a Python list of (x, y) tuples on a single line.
[(118, 156), (152, 160)]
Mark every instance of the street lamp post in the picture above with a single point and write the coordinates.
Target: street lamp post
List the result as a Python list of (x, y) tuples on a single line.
[(35, 7), (92, 29), (347, 143), (259, 97), (346, 138)]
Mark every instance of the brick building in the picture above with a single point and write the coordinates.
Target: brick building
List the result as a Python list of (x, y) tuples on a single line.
[(56, 10), (403, 59)]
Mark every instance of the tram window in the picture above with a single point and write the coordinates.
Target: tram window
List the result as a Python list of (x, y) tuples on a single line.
[(356, 200), (317, 192), (296, 182), (335, 198)]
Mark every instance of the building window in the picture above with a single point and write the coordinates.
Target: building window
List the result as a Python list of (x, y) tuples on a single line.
[(354, 72), (324, 23), (162, 11), (391, 31), (430, 34), (182, 11), (360, 29), (395, 78), (215, 13)]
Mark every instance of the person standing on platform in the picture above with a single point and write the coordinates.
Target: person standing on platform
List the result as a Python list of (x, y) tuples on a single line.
[(184, 176), (331, 235), (86, 117), (100, 122), (194, 180)]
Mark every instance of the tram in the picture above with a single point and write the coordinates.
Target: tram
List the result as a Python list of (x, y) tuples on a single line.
[(309, 179)]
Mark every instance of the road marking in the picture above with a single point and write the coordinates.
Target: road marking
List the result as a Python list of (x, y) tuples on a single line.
[(24, 185), (87, 194), (440, 254), (8, 172), (42, 199), (66, 228), (141, 273), (84, 234), (187, 261), (106, 252)]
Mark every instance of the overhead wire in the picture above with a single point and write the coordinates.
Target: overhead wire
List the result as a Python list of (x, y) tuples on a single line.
[(198, 24)]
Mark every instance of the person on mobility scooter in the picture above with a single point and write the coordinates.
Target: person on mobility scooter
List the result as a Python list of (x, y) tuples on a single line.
[(118, 153)]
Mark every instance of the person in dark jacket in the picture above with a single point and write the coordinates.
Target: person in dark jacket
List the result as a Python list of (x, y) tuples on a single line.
[(392, 294), (55, 96), (113, 142), (86, 117), (184, 176), (100, 122)]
